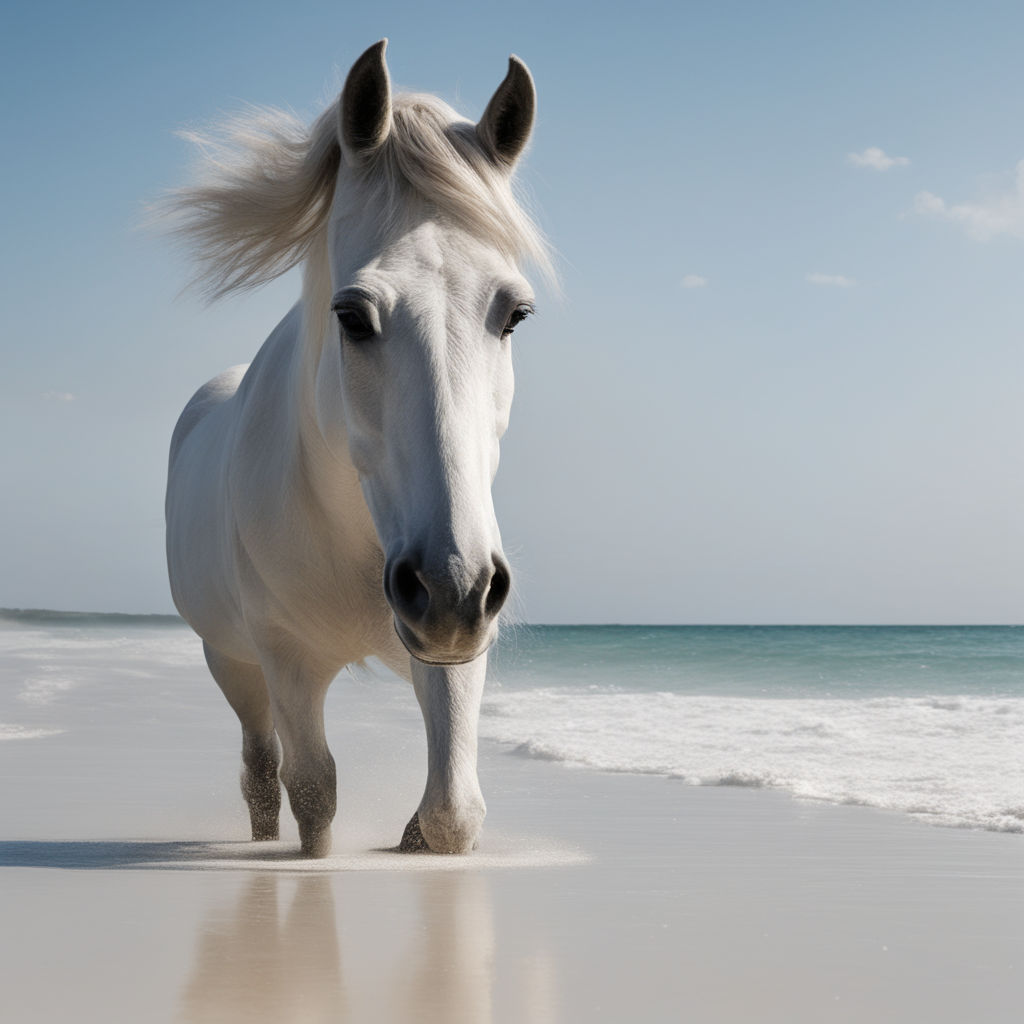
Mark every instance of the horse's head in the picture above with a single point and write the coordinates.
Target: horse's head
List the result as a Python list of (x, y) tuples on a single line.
[(424, 239)]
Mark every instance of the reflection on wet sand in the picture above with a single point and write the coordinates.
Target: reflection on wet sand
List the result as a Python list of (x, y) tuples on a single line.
[(451, 956), (251, 966), (417, 946)]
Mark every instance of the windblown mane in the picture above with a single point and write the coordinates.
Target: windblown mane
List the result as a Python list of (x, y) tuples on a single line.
[(265, 185)]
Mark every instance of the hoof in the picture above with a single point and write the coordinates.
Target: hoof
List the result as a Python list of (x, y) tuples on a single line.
[(412, 837), (265, 835), (453, 841), (317, 843)]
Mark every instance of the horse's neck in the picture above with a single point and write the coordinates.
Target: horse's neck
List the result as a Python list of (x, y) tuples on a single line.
[(324, 464), (296, 485), (283, 377)]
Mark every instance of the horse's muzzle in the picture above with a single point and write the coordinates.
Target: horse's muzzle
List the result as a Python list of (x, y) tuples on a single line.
[(438, 617)]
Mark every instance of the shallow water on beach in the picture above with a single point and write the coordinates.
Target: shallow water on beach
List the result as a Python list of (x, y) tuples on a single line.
[(927, 721), (924, 720)]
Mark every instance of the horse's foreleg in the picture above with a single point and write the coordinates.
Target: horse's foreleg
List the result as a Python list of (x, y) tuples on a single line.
[(452, 810), (307, 767), (246, 691)]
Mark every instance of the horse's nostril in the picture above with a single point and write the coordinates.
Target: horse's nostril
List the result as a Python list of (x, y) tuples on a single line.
[(501, 584), (409, 590)]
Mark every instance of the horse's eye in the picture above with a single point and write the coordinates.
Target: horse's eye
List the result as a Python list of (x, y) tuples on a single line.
[(519, 314), (354, 323)]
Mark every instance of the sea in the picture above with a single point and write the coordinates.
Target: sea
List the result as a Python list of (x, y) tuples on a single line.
[(925, 721)]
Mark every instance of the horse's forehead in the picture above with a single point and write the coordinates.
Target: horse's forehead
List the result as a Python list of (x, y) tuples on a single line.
[(439, 255), (424, 250)]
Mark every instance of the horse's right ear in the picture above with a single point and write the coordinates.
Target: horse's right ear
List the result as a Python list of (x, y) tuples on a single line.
[(364, 110)]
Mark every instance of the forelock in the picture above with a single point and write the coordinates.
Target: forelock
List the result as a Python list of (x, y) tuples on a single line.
[(435, 157)]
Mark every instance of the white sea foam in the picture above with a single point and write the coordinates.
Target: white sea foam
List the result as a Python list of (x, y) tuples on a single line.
[(21, 732), (952, 760), (173, 648), (45, 689), (63, 678)]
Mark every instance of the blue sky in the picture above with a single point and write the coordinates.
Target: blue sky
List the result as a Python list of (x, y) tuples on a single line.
[(781, 385)]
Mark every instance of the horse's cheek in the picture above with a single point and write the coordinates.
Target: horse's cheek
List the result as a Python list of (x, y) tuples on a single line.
[(354, 414), (503, 391)]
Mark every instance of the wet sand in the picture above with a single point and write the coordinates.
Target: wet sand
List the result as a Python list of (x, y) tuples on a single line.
[(128, 893)]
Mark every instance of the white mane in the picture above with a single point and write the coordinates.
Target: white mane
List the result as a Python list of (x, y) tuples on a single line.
[(265, 184)]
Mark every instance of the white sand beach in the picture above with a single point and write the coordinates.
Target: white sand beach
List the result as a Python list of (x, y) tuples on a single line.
[(129, 892)]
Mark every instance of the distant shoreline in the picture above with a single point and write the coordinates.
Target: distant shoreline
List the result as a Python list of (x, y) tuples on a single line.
[(48, 616)]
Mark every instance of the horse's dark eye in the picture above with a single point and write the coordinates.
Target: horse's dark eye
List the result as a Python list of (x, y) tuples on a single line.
[(519, 314), (354, 324)]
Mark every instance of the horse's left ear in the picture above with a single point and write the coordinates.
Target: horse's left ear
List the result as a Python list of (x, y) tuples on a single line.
[(505, 127)]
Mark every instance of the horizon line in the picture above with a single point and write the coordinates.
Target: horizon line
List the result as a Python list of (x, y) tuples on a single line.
[(57, 615)]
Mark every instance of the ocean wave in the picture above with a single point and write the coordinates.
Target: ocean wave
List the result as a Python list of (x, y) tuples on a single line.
[(952, 761), (144, 648), (21, 732), (41, 690)]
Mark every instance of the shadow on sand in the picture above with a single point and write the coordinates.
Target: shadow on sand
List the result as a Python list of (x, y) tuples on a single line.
[(278, 855), (111, 854)]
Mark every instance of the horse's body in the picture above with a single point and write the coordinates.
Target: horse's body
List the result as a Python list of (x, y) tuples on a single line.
[(331, 501)]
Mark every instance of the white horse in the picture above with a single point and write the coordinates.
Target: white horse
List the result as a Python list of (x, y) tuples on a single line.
[(332, 501)]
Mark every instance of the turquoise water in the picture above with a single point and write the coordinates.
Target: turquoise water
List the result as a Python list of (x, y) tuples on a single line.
[(927, 721), (769, 661)]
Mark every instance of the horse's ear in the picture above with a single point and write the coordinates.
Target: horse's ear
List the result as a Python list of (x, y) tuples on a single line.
[(505, 127), (364, 110)]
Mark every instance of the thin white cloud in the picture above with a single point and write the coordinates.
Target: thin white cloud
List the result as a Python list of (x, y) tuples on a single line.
[(1000, 214), (694, 281), (57, 396), (835, 280), (877, 159)]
